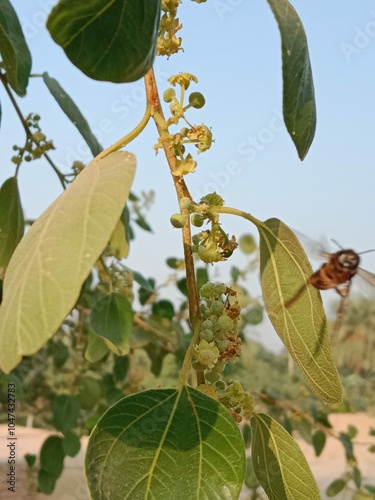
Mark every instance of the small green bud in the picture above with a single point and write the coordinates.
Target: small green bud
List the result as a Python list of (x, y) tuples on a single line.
[(178, 220), (217, 308), (225, 323), (196, 239), (213, 199), (219, 367), (220, 385), (184, 131), (209, 255), (197, 100), (212, 377), (197, 220), (206, 290), (219, 289), (168, 95), (185, 203), (207, 335), (221, 345), (207, 325)]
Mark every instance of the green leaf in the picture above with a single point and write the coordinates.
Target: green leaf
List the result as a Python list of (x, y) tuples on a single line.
[(118, 243), (46, 482), (142, 223), (143, 282), (12, 224), (13, 49), (30, 459), (71, 444), (182, 286), (304, 428), (202, 277), (279, 463), (46, 272), (335, 487), (318, 441), (73, 113), (298, 88), (66, 411), (166, 444), (96, 348), (163, 308), (295, 308), (119, 36), (357, 477), (370, 488), (111, 318), (347, 444), (52, 456), (90, 389), (251, 480)]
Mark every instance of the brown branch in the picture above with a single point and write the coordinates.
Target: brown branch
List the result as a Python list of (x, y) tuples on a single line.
[(181, 190)]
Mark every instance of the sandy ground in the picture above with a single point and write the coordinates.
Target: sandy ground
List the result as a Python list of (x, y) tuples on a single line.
[(72, 484)]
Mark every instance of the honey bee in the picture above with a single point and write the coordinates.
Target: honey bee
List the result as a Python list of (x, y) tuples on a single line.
[(337, 273)]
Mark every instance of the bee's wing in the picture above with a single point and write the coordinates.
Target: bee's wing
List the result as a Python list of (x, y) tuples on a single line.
[(316, 250), (368, 277)]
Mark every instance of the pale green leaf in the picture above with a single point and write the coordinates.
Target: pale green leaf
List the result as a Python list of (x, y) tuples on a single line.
[(166, 444), (279, 464), (298, 88), (295, 308), (111, 318), (119, 247), (13, 49), (96, 348), (118, 36), (72, 111), (12, 223), (46, 272)]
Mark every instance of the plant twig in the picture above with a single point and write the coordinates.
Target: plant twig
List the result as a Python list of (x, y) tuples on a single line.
[(129, 137), (28, 132), (181, 190)]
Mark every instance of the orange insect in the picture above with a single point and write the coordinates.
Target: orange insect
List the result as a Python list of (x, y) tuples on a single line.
[(337, 273)]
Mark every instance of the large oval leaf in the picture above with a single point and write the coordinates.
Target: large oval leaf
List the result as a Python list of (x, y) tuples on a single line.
[(72, 111), (118, 36), (301, 324), (13, 49), (111, 318), (298, 88), (279, 464), (166, 444), (12, 224), (47, 269)]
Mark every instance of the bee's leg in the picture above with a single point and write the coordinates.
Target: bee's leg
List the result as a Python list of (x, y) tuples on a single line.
[(295, 297), (339, 315)]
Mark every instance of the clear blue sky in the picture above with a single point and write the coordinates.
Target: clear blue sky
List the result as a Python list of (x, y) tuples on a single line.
[(233, 47)]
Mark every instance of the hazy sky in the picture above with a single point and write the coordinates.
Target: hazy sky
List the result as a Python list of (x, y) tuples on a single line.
[(233, 47)]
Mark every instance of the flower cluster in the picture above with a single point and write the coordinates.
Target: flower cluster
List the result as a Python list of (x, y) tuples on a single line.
[(199, 135), (168, 42), (36, 144), (219, 340), (219, 343), (211, 245)]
